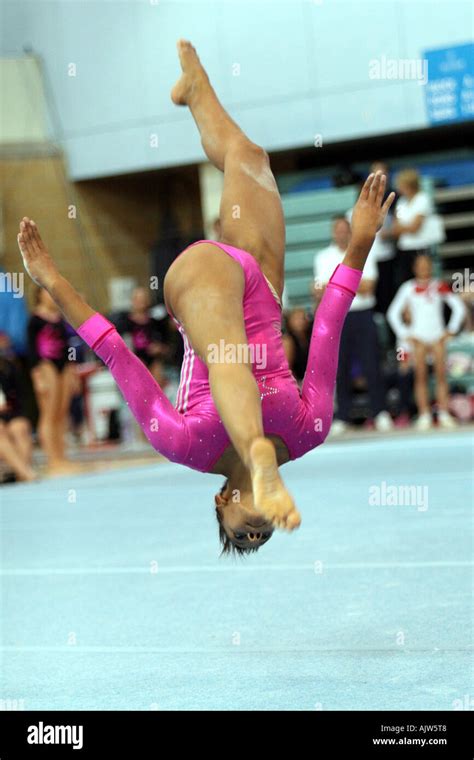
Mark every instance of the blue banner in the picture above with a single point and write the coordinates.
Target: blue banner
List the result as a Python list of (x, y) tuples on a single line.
[(450, 86)]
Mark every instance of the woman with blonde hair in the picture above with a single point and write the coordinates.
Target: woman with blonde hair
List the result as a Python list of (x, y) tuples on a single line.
[(416, 226)]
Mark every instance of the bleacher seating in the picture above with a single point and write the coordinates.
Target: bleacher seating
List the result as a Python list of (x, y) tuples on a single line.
[(308, 217)]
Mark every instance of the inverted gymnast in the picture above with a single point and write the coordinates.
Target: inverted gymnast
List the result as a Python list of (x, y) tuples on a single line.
[(236, 418)]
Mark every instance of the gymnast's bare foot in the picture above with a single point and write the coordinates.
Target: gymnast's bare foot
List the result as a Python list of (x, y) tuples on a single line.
[(193, 74), (271, 498)]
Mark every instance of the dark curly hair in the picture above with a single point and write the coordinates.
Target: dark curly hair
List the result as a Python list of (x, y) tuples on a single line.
[(228, 546)]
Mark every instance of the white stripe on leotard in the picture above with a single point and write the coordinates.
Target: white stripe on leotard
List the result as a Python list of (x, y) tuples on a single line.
[(186, 374), (274, 293), (188, 383), (184, 370)]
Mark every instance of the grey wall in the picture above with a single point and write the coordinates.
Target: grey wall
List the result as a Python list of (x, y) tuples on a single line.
[(304, 69)]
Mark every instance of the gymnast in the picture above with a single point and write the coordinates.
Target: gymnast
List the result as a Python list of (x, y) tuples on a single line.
[(233, 418)]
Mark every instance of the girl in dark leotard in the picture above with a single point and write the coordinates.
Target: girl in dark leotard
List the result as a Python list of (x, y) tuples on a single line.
[(148, 336), (54, 379)]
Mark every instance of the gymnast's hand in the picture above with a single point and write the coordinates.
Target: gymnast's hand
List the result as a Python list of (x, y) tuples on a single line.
[(36, 259), (370, 211)]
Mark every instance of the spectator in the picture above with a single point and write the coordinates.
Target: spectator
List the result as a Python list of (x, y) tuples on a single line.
[(384, 252), (425, 297), (54, 380), (14, 323), (296, 340), (468, 300), (359, 334), (148, 336), (16, 443), (404, 380), (416, 227), (77, 350), (174, 358)]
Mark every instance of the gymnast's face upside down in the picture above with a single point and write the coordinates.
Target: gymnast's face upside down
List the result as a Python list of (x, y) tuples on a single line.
[(242, 529)]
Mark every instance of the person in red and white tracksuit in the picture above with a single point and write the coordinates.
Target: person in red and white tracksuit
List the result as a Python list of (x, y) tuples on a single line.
[(424, 298)]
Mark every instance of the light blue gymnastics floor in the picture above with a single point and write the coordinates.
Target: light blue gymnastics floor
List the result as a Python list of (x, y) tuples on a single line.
[(113, 595)]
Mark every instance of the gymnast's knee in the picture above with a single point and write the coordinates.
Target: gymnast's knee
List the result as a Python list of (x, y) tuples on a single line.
[(20, 426), (244, 151)]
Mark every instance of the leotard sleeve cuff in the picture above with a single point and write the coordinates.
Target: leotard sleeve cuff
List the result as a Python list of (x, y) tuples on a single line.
[(94, 329), (346, 277)]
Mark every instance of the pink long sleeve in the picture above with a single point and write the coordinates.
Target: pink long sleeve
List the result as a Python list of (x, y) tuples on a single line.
[(164, 427), (319, 381)]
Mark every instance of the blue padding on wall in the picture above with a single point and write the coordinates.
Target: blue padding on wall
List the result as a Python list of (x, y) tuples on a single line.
[(450, 173), (321, 183)]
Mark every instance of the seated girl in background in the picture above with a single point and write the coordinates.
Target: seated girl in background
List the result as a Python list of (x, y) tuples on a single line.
[(424, 297), (16, 443)]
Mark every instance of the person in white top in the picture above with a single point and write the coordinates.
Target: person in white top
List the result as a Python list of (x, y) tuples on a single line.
[(416, 226), (359, 335), (424, 298)]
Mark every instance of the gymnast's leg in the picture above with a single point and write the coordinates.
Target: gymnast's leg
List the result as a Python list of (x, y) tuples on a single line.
[(204, 289), (251, 214), (205, 293)]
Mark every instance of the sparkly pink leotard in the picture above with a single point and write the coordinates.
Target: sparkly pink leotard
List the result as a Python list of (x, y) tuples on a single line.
[(192, 433)]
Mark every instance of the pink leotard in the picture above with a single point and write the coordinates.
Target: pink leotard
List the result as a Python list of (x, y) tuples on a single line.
[(192, 433)]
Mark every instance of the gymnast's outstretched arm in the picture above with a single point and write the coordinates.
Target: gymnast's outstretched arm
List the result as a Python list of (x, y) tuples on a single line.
[(164, 427), (320, 378), (319, 382)]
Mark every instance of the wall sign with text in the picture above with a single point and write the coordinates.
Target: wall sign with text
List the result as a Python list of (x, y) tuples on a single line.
[(450, 86)]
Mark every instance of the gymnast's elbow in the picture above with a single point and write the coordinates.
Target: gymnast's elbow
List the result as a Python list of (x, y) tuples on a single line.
[(171, 441), (322, 426)]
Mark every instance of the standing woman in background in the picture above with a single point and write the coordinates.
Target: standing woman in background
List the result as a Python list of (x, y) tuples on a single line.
[(416, 226), (53, 377), (384, 252)]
